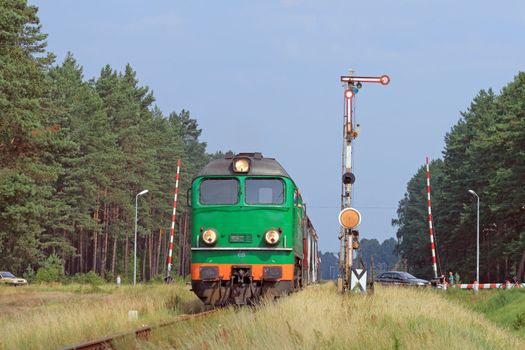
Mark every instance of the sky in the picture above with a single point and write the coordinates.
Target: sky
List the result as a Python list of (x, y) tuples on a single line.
[(264, 76)]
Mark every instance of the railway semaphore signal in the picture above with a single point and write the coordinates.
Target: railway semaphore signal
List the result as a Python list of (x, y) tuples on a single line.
[(351, 278)]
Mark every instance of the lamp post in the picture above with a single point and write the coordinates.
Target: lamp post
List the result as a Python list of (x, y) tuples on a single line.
[(477, 237), (135, 245)]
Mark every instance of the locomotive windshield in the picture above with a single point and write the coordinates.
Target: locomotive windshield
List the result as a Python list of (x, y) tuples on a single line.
[(264, 191), (219, 191)]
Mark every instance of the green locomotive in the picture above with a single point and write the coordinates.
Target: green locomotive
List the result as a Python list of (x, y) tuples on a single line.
[(251, 236)]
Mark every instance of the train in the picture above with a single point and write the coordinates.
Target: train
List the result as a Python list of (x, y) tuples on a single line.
[(250, 235)]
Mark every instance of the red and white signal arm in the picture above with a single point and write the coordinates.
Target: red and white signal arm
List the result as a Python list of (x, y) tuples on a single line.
[(349, 218), (384, 79)]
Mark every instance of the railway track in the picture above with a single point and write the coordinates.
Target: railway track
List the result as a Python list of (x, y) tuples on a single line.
[(142, 333)]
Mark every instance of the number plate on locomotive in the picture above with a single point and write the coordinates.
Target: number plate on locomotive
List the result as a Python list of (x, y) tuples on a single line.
[(240, 238)]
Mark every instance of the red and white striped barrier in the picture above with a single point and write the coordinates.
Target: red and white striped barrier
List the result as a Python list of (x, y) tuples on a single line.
[(489, 285), (432, 245), (173, 218)]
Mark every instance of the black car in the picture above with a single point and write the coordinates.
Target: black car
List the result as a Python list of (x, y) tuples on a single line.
[(400, 278)]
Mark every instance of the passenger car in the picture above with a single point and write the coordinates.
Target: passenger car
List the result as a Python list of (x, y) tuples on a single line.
[(7, 277), (401, 278)]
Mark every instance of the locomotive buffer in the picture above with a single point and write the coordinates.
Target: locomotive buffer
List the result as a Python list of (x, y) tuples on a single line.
[(351, 278)]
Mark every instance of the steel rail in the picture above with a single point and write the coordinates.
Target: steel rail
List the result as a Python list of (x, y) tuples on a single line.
[(143, 333)]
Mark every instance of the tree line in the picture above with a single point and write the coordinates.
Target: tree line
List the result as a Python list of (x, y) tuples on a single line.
[(377, 257), (484, 152), (75, 152)]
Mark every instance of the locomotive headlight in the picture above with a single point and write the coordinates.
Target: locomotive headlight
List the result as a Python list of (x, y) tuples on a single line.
[(209, 236), (272, 236), (241, 165)]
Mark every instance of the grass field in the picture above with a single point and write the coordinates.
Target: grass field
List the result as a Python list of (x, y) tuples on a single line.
[(320, 318), (50, 317), (53, 316)]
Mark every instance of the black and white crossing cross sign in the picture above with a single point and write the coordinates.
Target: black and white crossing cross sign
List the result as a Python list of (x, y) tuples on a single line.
[(358, 280)]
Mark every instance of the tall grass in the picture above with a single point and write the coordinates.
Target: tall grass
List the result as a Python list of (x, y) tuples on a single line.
[(53, 316), (320, 318)]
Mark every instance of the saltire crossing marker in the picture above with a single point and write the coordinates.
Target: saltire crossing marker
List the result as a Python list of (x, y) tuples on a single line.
[(173, 219), (358, 280), (432, 244)]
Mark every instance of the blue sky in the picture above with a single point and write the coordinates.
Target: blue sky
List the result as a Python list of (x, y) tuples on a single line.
[(264, 76)]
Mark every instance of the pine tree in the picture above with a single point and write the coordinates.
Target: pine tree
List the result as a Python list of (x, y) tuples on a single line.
[(26, 137), (74, 153), (484, 152)]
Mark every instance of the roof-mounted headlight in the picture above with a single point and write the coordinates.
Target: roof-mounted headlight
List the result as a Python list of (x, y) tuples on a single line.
[(241, 165), (272, 236), (209, 236)]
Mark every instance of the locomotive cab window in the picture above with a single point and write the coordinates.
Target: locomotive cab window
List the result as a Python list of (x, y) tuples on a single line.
[(264, 191), (219, 191)]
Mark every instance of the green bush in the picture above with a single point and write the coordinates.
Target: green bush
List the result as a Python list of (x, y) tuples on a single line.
[(52, 270), (91, 278), (29, 274)]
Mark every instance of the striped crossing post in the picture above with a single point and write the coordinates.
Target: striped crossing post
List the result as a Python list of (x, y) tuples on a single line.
[(173, 217), (432, 245)]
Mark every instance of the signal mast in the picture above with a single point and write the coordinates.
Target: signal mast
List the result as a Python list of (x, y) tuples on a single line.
[(350, 278)]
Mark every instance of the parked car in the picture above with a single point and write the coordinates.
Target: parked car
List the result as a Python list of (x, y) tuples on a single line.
[(7, 277), (401, 278)]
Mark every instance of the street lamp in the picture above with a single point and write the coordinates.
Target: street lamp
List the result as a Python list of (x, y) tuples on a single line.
[(477, 237), (135, 250)]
